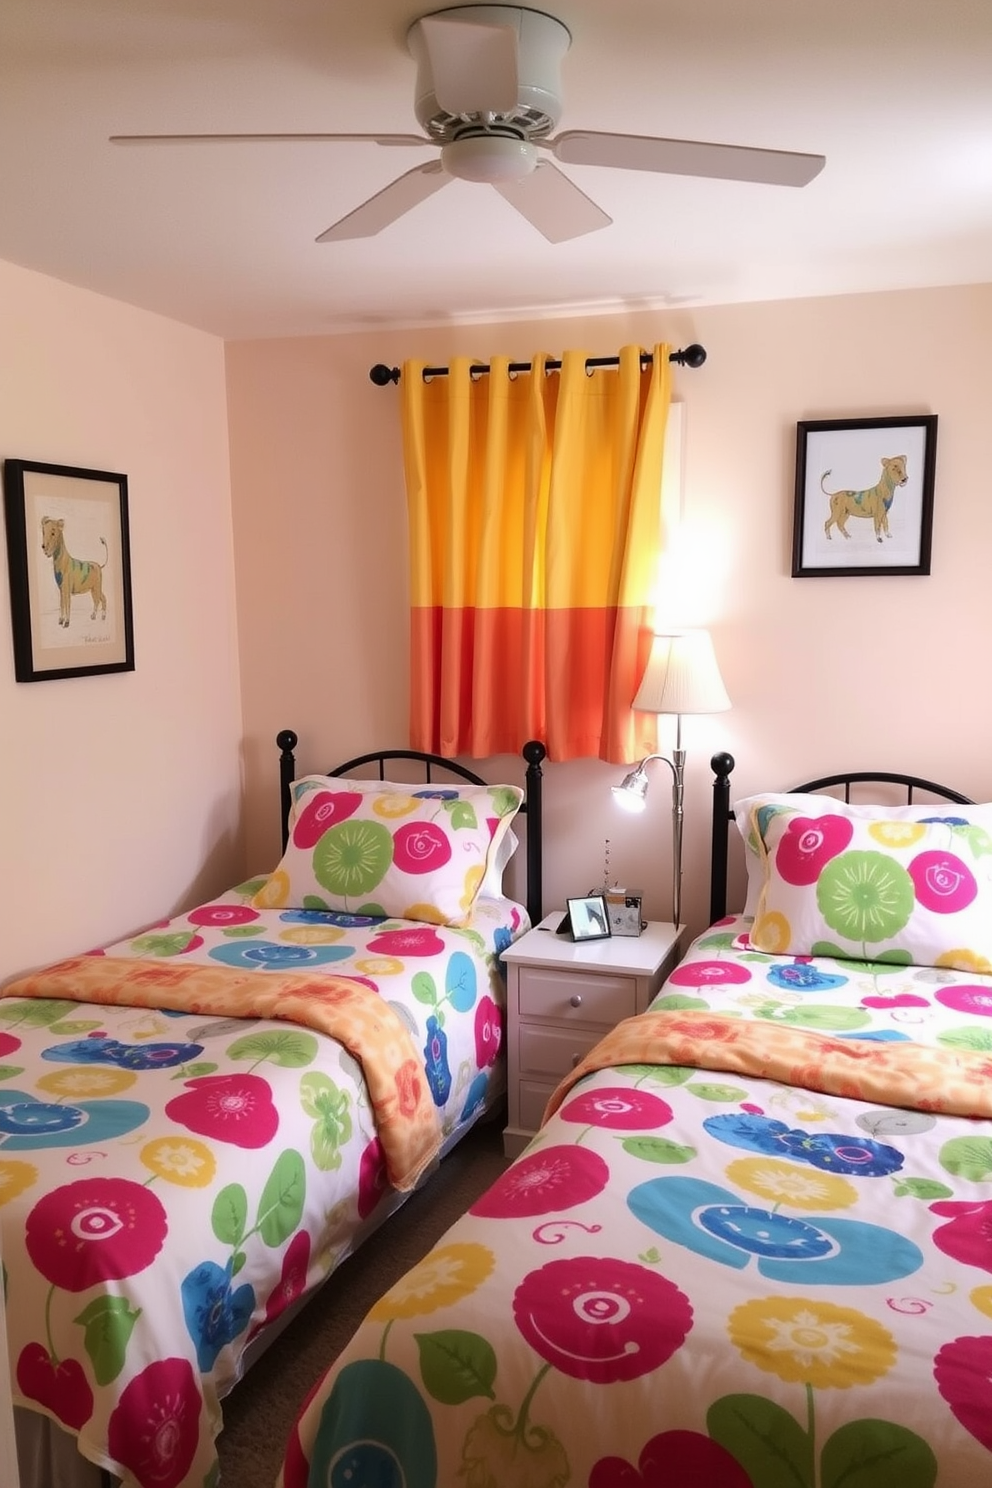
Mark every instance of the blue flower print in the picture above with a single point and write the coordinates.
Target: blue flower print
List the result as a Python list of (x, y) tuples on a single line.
[(831, 1152), (476, 1095), (125, 1056), (267, 955), (436, 1061), (327, 917), (712, 1222), (800, 976), (214, 1314), (31, 1125)]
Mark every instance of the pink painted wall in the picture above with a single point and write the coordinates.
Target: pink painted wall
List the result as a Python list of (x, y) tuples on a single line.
[(865, 672), (120, 795)]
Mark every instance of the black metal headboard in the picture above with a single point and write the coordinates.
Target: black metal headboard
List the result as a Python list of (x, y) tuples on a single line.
[(429, 764), (722, 766)]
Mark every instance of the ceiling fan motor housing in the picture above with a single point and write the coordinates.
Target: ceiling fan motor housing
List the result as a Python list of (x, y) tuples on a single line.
[(540, 42)]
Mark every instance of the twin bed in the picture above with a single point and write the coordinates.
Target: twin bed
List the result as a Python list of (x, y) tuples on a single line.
[(200, 1122), (751, 1245)]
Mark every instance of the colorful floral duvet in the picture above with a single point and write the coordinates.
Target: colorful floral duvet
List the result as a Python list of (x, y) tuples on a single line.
[(698, 1276), (171, 1181)]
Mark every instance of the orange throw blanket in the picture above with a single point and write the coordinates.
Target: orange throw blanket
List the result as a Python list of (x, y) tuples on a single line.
[(916, 1077), (406, 1117)]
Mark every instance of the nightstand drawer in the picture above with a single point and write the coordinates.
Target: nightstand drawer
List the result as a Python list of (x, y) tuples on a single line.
[(553, 1051), (592, 997)]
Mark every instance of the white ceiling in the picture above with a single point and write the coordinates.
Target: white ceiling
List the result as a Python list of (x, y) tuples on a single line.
[(896, 93)]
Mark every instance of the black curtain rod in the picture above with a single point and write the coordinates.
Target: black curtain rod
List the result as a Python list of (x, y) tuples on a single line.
[(689, 356)]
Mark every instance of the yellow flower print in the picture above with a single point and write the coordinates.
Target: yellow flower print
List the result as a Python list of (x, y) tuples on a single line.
[(274, 893), (442, 1277), (15, 1177), (180, 1160), (965, 960), (375, 966), (788, 1183), (981, 1297), (428, 914), (811, 1342), (771, 932), (312, 934), (897, 833), (395, 804), (81, 1080)]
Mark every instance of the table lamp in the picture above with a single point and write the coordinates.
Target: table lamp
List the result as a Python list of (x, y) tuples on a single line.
[(682, 676)]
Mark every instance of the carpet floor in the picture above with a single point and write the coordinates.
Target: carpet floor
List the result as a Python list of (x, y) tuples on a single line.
[(260, 1411)]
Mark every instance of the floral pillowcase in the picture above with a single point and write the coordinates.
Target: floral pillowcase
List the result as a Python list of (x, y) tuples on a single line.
[(906, 885), (375, 848)]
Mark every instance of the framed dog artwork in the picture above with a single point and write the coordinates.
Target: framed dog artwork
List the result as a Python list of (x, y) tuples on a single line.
[(864, 496), (70, 571)]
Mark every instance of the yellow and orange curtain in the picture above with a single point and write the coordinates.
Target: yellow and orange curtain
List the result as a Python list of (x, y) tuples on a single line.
[(534, 506)]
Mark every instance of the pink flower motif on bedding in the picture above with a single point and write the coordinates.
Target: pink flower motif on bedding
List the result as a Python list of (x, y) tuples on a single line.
[(543, 1182), (669, 1460), (8, 1043), (292, 1282), (709, 974), (420, 941), (324, 809), (222, 915), (155, 1427), (234, 1108), (58, 1384), (968, 1235), (600, 1319), (618, 1108), (372, 1180), (808, 844), (967, 998), (420, 847), (963, 1371), (488, 1032), (94, 1230), (943, 882)]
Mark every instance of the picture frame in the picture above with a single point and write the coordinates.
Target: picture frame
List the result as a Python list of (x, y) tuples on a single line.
[(589, 918), (68, 553), (844, 524)]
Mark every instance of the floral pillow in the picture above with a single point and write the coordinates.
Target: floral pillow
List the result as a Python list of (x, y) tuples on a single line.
[(906, 885), (378, 848)]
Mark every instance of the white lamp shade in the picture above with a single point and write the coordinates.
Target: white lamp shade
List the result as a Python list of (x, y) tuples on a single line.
[(682, 676)]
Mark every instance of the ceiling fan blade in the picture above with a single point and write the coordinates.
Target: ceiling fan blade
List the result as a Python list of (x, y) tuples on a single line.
[(213, 139), (553, 204), (686, 157), (392, 201), (473, 62)]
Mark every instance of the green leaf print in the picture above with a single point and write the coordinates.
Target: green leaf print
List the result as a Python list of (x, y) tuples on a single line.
[(352, 857), (291, 1048), (877, 1454), (711, 1091), (968, 1157), (10, 1071), (107, 1325), (922, 1188), (817, 1016), (172, 944), (767, 1441), (39, 1012), (229, 1216), (281, 1206), (424, 988), (676, 1003), (462, 814), (456, 1366), (978, 1039), (657, 1150), (330, 1108)]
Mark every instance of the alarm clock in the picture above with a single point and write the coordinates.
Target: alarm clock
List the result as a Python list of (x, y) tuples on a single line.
[(624, 909)]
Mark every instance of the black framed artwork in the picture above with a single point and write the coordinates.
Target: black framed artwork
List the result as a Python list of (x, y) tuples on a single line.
[(68, 552), (864, 496)]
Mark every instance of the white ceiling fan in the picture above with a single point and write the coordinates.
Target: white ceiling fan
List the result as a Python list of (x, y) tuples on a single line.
[(488, 92)]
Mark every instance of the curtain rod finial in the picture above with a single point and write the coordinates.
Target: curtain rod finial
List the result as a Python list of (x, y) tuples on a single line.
[(381, 374), (690, 356)]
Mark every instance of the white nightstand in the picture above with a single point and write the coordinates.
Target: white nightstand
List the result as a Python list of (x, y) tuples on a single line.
[(561, 997)]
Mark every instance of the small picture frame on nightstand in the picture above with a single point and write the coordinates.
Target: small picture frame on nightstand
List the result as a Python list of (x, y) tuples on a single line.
[(588, 918), (624, 909)]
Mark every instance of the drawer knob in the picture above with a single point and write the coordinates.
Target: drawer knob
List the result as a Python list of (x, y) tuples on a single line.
[(575, 1000)]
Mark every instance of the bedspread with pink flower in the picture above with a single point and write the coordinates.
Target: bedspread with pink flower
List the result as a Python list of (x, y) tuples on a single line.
[(174, 1175), (702, 1272)]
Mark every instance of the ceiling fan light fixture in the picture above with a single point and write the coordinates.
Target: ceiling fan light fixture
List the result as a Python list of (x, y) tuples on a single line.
[(489, 158)]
